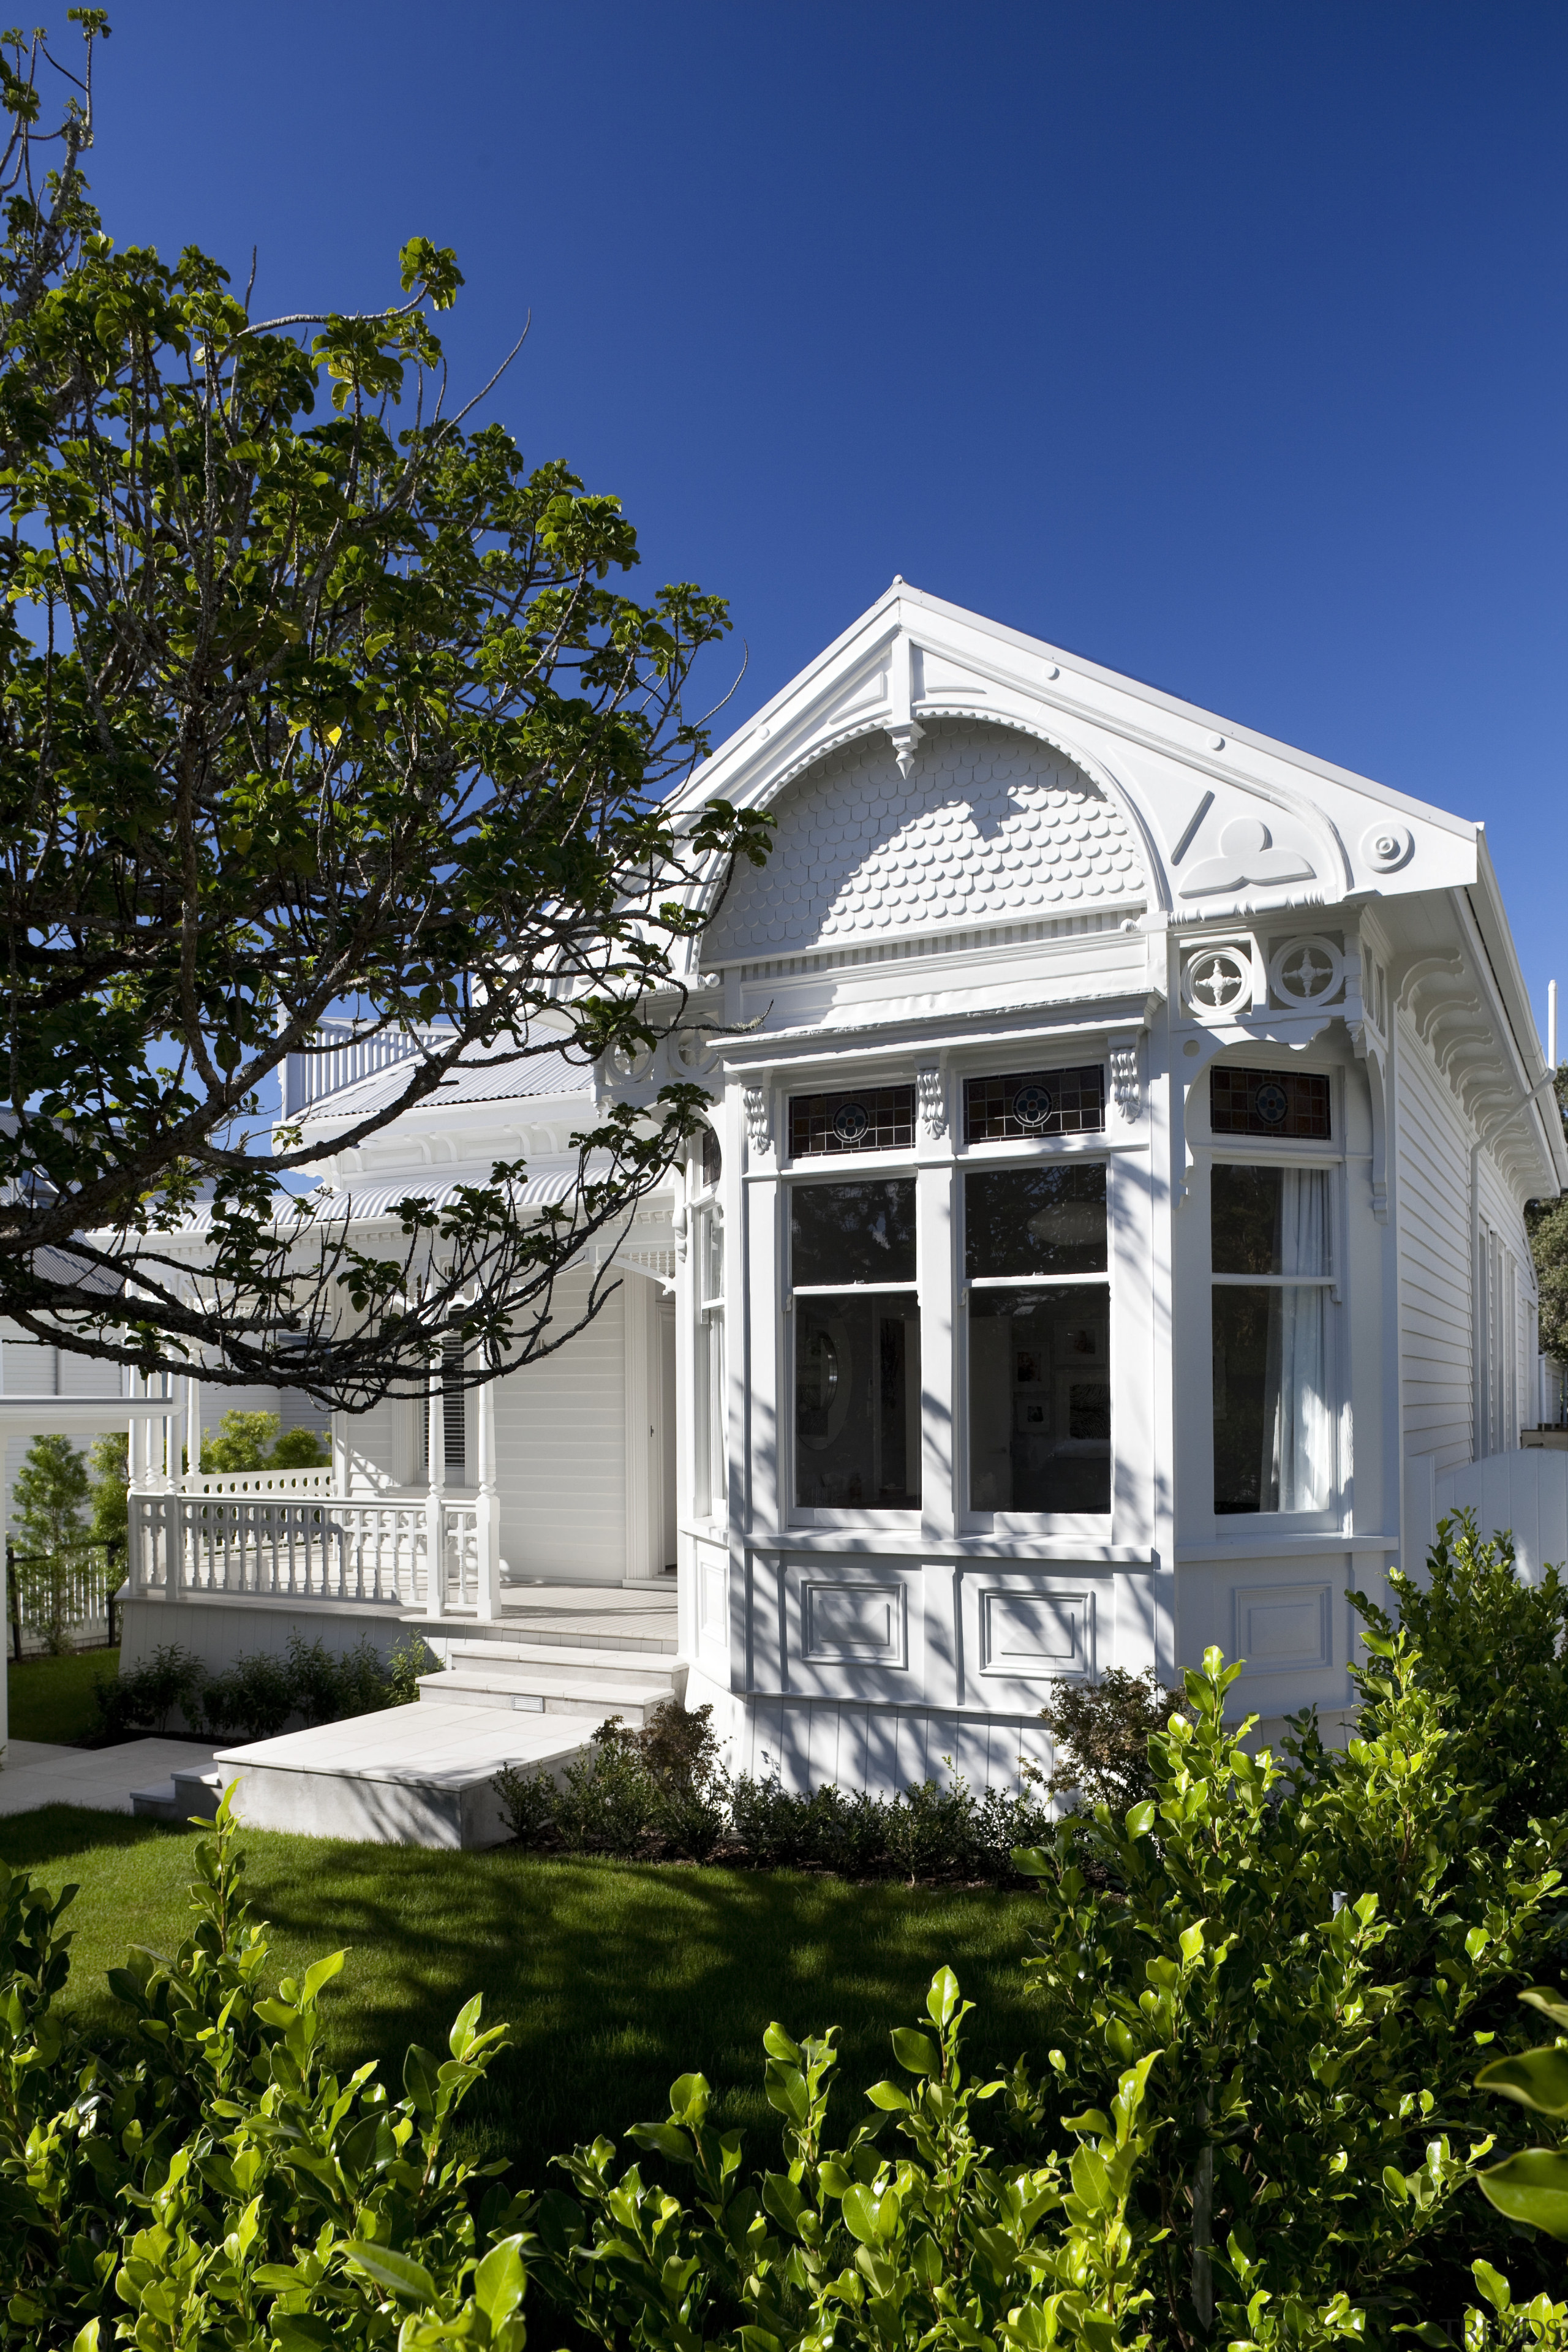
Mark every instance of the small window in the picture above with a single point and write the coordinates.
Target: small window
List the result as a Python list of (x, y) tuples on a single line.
[(712, 1159), (1035, 1103), (1293, 1103), (873, 1119)]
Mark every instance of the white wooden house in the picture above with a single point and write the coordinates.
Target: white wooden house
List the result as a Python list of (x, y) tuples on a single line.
[(1112, 1219)]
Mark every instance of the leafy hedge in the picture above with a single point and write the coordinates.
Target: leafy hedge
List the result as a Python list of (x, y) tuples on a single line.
[(662, 1793), (259, 1695), (1252, 2119)]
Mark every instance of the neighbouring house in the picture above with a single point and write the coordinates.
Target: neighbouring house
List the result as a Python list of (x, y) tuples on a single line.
[(1109, 1238)]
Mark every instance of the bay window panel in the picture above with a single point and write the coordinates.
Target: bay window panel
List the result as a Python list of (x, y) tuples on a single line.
[(857, 1402), (1273, 1421), (710, 1481), (842, 1234), (1047, 1219), (1039, 1399)]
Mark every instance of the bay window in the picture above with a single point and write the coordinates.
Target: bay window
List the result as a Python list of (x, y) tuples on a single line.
[(857, 1345), (711, 1479), (1272, 1277), (1039, 1339)]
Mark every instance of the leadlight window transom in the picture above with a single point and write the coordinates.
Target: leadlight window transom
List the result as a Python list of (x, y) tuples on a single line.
[(1293, 1103), (868, 1119), (1016, 1108)]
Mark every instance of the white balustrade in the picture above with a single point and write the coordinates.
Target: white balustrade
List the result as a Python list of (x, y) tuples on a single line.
[(255, 1535)]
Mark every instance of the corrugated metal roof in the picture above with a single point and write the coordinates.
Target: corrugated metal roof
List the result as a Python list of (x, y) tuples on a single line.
[(363, 1199), (478, 1081)]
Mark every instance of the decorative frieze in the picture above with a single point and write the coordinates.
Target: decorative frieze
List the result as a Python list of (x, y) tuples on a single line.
[(1125, 1081), (933, 1103), (759, 1128)]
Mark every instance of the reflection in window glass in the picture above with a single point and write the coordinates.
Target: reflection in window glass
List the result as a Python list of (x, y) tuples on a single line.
[(1273, 1426), (1040, 1220), (857, 1403), (1039, 1399), (852, 1233)]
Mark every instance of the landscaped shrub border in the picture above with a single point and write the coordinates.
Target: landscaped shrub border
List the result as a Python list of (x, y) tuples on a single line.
[(662, 1795), (260, 1695)]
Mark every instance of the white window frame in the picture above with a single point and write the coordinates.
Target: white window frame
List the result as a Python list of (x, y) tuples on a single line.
[(844, 1168), (1263, 1152), (981, 1159), (709, 1421)]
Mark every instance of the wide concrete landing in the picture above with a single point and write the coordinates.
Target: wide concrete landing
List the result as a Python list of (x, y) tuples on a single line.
[(588, 1616), (403, 1776), (100, 1778)]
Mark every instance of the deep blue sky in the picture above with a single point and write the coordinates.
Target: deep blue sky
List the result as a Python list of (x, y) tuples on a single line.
[(1224, 344)]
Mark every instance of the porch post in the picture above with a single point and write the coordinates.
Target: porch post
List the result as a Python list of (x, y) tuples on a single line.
[(487, 1515), (192, 1428), (435, 1515)]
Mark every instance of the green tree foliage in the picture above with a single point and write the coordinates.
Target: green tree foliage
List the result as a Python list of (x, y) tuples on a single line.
[(48, 1533), (314, 701), (1548, 1224), (109, 1464), (249, 1440)]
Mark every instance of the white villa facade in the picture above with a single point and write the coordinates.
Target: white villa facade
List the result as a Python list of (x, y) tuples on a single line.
[(1113, 1221)]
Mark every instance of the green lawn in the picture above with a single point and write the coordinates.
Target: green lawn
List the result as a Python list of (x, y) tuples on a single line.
[(618, 1977), (51, 1699)]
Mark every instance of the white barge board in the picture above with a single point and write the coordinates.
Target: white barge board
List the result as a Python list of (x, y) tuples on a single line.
[(403, 1776)]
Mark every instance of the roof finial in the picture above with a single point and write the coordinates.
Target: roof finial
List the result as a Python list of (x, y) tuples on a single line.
[(897, 579)]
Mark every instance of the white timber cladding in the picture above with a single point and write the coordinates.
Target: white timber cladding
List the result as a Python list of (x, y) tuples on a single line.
[(1437, 1254), (1172, 1341), (561, 1450)]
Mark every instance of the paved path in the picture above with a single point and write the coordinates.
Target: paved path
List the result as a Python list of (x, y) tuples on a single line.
[(101, 1778)]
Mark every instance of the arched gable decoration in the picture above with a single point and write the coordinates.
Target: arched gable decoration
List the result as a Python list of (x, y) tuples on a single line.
[(997, 823)]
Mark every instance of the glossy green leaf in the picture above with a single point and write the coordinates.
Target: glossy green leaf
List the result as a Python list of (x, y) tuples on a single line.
[(1536, 2078), (1531, 2186)]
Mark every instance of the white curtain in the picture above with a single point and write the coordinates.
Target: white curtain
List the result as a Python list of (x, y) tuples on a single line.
[(1298, 1430)]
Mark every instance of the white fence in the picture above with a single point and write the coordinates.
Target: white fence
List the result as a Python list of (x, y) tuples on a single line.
[(1525, 1492), (220, 1537)]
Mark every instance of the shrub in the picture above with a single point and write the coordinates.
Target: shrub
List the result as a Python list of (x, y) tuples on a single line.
[(405, 1662), (252, 1699), (1492, 1648), (145, 1699), (249, 1440), (1100, 1733)]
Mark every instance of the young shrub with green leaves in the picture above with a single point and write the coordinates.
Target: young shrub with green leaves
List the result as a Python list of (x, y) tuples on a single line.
[(1313, 1956)]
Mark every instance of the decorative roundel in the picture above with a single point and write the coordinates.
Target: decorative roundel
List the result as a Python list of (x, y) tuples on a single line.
[(1271, 1102), (1219, 979), (1385, 848), (851, 1121), (1032, 1106), (1307, 972)]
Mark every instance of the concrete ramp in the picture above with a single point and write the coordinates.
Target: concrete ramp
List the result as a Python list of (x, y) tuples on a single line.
[(404, 1776)]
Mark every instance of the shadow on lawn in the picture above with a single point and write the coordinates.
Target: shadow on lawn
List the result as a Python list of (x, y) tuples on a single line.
[(618, 1976), (55, 1832)]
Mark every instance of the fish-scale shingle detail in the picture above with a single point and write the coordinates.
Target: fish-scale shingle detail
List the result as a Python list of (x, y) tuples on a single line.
[(989, 826)]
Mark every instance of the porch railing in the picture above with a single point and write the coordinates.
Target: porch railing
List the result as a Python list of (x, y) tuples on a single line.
[(234, 1536)]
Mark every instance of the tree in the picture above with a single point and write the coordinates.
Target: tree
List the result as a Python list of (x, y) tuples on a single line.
[(316, 704), (48, 1531), (249, 1440), (1548, 1223)]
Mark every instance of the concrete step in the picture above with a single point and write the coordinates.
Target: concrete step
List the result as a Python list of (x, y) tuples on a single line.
[(195, 1792), (535, 1690), (403, 1776), (572, 1661)]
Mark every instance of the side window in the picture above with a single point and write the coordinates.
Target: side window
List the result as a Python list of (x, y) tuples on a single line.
[(1036, 1260), (710, 1479), (1272, 1272)]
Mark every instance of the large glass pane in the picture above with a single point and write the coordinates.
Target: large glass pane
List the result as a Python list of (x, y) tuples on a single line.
[(1043, 1220), (1269, 1219), (1039, 1399), (1273, 1427), (853, 1233), (857, 1403)]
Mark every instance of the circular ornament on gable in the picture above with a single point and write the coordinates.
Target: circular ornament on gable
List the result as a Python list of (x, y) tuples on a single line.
[(1032, 1106), (1271, 1102), (1219, 979), (1387, 847), (1308, 971), (851, 1121)]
